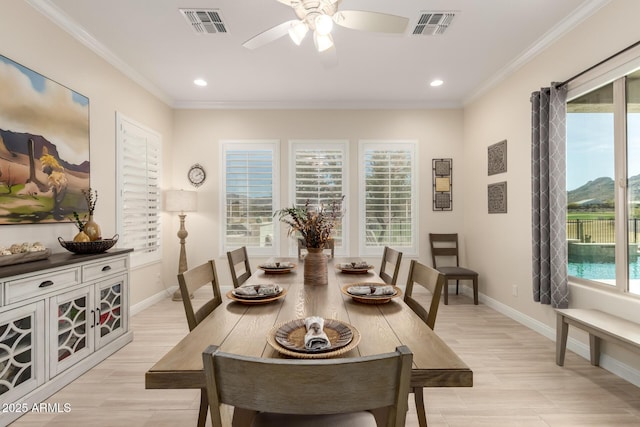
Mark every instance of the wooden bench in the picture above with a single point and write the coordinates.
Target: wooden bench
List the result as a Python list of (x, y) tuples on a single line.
[(599, 325)]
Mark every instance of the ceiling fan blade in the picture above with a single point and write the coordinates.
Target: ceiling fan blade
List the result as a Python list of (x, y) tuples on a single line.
[(269, 35), (371, 21)]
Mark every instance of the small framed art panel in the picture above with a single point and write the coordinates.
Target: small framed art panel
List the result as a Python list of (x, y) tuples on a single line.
[(497, 158), (497, 197), (442, 184)]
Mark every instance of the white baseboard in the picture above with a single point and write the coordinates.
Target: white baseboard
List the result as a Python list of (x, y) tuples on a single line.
[(609, 363), (146, 303)]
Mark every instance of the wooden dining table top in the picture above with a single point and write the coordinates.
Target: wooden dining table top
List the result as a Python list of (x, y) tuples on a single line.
[(243, 329)]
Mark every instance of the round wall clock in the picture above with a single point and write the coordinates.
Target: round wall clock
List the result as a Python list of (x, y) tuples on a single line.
[(196, 175)]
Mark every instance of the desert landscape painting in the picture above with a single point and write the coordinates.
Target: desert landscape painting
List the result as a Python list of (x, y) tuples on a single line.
[(44, 148)]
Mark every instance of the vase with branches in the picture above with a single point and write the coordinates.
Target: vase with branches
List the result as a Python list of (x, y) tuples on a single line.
[(315, 225)]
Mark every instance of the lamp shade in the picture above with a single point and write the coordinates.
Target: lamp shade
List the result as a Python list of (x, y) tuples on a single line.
[(180, 201)]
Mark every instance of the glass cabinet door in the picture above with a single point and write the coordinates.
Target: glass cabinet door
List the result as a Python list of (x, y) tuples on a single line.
[(111, 310), (72, 317), (21, 351)]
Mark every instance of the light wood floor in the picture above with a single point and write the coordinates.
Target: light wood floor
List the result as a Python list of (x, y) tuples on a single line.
[(516, 380)]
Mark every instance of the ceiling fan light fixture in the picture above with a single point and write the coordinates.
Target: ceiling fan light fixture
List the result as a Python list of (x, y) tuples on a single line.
[(322, 41), (298, 31), (323, 24)]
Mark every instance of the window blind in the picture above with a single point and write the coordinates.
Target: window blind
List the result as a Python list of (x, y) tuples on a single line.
[(138, 203), (389, 215), (319, 179), (249, 175)]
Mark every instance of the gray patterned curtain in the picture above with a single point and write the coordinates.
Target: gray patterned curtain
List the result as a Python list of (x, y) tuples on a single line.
[(549, 197)]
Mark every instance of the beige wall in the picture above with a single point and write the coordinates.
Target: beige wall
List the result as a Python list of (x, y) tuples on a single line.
[(32, 40), (198, 134), (499, 244)]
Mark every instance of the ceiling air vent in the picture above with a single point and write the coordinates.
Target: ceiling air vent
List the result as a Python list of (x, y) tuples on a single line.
[(205, 21), (433, 23)]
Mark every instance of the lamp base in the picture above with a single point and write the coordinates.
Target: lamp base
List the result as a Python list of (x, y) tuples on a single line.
[(177, 296)]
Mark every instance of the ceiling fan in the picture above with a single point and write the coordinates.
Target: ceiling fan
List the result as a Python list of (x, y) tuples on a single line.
[(319, 17)]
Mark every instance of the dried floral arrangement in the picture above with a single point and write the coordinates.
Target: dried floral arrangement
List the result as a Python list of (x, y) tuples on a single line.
[(91, 197), (315, 224)]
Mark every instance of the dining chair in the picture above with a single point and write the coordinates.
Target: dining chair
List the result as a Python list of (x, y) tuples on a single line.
[(433, 281), (309, 392), (392, 257), (446, 246), (190, 281), (302, 245), (236, 257)]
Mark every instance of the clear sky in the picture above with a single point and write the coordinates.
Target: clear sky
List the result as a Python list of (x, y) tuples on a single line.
[(590, 147)]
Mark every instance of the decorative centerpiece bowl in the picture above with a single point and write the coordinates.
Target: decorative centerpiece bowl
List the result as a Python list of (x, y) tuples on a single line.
[(95, 247)]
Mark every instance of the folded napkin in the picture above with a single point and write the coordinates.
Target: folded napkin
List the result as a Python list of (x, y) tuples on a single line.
[(257, 290), (269, 290), (360, 290), (357, 265), (277, 265), (315, 338), (383, 290), (247, 290), (363, 290)]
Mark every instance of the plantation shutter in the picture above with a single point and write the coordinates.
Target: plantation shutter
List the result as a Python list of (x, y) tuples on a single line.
[(138, 204), (319, 178), (389, 203), (249, 174)]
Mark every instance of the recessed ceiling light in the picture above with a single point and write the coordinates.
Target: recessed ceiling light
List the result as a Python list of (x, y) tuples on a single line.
[(436, 83), (200, 82)]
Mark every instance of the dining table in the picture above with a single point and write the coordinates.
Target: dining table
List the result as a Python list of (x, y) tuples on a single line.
[(243, 328)]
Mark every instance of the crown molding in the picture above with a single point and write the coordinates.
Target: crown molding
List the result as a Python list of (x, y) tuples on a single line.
[(62, 20), (550, 37), (315, 105)]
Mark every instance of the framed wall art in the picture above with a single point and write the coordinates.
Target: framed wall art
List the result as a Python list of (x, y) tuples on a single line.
[(497, 158), (44, 148), (497, 197), (442, 184)]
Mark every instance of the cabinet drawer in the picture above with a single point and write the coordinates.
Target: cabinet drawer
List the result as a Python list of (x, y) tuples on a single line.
[(102, 269), (20, 289)]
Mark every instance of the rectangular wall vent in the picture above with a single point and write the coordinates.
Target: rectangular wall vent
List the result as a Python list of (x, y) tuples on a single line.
[(205, 21), (433, 23)]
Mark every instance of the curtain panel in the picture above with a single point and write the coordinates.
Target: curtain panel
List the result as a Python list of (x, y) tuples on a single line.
[(549, 197)]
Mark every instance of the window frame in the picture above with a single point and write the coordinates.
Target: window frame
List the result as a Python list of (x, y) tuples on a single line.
[(154, 139), (386, 145), (613, 71), (321, 144), (250, 145)]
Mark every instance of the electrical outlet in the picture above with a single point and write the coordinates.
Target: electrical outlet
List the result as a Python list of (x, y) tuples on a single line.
[(514, 290)]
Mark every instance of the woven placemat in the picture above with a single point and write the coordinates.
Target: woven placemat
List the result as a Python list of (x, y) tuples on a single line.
[(295, 330)]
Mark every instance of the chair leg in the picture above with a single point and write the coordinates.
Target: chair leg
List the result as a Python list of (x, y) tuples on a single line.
[(457, 286), (419, 398), (445, 291), (204, 408), (475, 290)]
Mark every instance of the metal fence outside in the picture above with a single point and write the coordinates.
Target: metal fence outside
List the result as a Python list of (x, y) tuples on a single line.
[(600, 230)]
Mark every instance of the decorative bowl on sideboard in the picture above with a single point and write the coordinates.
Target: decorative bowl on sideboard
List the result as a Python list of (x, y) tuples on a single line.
[(95, 247)]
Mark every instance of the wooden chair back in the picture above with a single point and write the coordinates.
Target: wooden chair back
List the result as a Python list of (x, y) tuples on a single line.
[(309, 386), (192, 280), (444, 245), (433, 281), (302, 245), (392, 257), (237, 257)]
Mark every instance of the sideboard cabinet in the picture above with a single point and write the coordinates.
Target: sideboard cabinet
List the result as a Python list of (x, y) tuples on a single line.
[(58, 318)]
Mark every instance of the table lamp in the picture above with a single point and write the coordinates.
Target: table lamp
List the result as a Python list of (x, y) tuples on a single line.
[(181, 201)]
